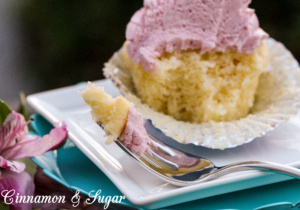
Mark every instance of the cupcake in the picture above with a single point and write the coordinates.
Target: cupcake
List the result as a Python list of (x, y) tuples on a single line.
[(205, 73), (118, 118), (197, 62)]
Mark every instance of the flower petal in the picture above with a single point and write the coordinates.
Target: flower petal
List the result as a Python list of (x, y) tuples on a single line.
[(34, 145), (13, 130), (15, 184), (12, 165)]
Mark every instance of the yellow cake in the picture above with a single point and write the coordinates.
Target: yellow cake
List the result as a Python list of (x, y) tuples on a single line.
[(119, 119), (110, 112), (218, 86)]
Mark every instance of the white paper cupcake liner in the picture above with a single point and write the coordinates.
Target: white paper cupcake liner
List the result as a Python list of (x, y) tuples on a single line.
[(277, 100)]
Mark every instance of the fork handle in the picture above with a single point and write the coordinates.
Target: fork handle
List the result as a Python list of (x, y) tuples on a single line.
[(260, 165)]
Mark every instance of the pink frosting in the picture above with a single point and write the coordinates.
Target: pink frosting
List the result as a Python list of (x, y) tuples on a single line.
[(134, 135), (170, 25)]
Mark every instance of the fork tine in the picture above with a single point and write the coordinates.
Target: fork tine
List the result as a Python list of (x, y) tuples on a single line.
[(166, 151), (154, 155), (167, 163), (161, 148), (150, 161)]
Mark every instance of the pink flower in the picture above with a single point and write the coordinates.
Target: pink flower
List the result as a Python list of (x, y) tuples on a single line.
[(16, 143), (13, 184)]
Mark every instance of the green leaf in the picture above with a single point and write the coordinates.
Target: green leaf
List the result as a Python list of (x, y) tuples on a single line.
[(4, 111), (22, 110), (4, 206)]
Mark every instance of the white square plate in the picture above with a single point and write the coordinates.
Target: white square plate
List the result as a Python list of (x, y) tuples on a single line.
[(142, 188)]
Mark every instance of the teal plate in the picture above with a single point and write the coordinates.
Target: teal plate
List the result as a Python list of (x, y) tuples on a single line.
[(70, 167)]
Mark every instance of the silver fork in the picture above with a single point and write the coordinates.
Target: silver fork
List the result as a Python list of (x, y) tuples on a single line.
[(182, 169)]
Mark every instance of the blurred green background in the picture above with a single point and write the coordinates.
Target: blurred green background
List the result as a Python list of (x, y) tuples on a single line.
[(68, 41)]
